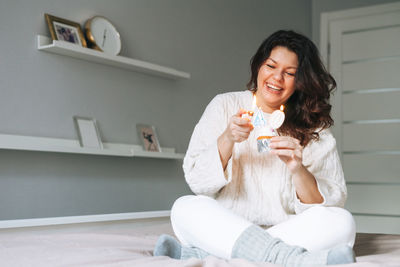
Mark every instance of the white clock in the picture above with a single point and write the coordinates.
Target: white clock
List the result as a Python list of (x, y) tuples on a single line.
[(102, 35)]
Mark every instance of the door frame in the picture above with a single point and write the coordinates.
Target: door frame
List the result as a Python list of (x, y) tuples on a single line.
[(328, 17), (367, 220)]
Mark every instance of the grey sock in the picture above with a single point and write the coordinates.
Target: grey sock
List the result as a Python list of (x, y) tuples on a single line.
[(167, 246), (341, 255), (193, 252), (255, 244)]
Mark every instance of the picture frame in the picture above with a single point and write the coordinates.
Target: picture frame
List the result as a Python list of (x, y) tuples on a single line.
[(147, 133), (65, 30), (88, 132)]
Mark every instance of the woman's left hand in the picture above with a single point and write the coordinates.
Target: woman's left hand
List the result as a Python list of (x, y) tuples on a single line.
[(289, 151)]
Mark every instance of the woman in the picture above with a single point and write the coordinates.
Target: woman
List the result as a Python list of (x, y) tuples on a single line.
[(284, 206)]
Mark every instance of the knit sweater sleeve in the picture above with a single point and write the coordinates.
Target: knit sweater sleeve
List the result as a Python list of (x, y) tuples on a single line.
[(202, 165), (322, 160)]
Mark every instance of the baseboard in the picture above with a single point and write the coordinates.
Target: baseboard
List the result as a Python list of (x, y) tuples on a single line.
[(7, 224)]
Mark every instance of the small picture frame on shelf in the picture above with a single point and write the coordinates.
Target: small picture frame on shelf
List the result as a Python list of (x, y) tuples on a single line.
[(148, 135), (65, 30), (88, 132)]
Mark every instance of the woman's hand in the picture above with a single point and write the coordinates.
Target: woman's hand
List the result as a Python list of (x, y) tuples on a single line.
[(238, 129), (289, 151)]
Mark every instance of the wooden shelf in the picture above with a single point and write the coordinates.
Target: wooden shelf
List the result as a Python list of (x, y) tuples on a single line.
[(72, 50), (44, 144)]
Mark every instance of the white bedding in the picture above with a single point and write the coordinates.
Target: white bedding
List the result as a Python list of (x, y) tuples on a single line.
[(133, 247)]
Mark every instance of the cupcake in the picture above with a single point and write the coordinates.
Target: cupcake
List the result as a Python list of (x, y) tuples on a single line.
[(263, 140)]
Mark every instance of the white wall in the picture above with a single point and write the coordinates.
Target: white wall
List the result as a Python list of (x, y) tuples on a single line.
[(40, 92)]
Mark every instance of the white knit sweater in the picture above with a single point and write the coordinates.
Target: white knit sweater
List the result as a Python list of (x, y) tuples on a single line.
[(257, 186)]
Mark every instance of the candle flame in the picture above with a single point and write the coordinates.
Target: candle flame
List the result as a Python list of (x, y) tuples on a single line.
[(253, 106), (282, 107)]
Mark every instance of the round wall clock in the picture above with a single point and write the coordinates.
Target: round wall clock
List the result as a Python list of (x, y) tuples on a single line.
[(102, 35)]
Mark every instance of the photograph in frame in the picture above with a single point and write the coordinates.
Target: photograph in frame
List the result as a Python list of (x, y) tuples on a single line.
[(65, 30), (148, 135), (88, 132)]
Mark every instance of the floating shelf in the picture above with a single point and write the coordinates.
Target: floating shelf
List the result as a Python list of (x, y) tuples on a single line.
[(46, 44), (44, 144)]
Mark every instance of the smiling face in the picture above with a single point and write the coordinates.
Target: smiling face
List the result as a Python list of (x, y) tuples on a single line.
[(276, 79)]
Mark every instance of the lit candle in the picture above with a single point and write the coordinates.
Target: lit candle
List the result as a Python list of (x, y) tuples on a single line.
[(277, 118)]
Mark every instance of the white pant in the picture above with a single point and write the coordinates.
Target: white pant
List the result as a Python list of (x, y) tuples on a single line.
[(200, 221)]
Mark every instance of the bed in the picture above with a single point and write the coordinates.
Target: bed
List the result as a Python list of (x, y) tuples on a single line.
[(132, 246)]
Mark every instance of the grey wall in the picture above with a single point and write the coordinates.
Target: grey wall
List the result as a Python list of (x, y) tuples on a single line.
[(40, 92), (319, 6)]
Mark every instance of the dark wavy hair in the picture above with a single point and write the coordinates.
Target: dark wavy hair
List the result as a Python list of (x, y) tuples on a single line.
[(308, 109)]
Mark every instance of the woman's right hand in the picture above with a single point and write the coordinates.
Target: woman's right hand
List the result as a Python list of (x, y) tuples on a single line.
[(238, 129)]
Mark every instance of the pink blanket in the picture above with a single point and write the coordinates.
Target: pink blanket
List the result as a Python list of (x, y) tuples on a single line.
[(133, 247)]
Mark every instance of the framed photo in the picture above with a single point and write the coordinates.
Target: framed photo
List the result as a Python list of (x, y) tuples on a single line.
[(65, 30), (89, 135), (147, 134)]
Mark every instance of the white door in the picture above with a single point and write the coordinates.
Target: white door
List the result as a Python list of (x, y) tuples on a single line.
[(363, 48)]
